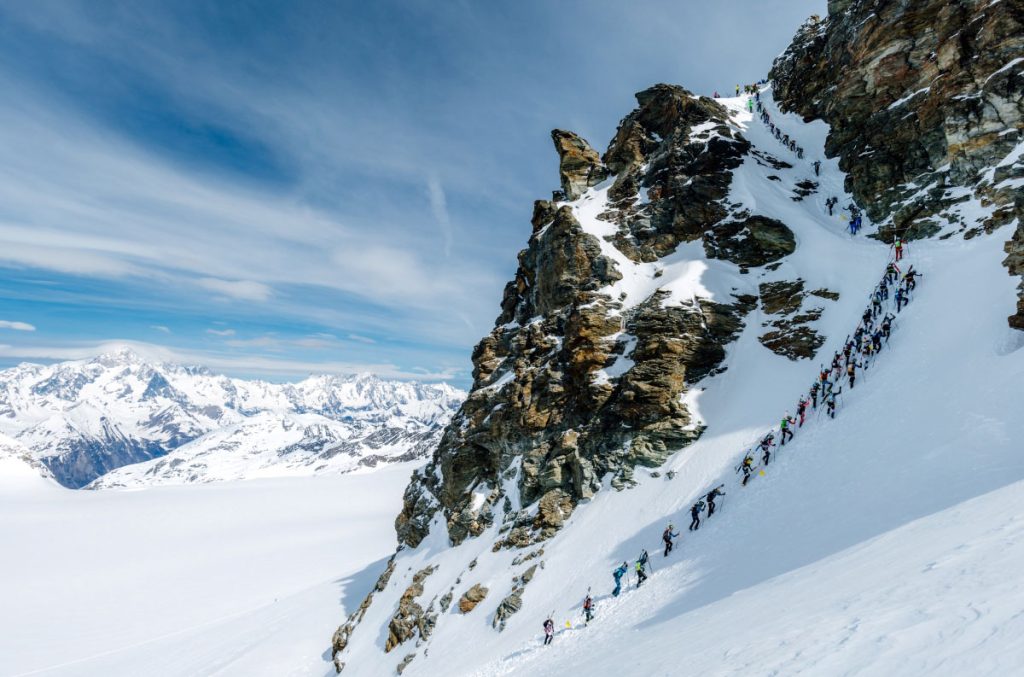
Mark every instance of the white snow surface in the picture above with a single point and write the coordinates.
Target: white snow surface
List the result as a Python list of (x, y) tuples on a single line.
[(237, 578), (885, 542)]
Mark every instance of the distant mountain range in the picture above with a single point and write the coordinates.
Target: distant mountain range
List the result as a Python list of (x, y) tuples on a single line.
[(118, 420)]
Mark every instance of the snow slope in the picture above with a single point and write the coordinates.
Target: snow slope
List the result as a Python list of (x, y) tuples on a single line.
[(239, 578), (838, 560), (88, 417)]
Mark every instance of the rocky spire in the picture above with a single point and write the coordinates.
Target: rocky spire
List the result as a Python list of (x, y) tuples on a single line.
[(579, 165)]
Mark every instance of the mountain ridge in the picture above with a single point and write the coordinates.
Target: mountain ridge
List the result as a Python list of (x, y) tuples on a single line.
[(86, 418)]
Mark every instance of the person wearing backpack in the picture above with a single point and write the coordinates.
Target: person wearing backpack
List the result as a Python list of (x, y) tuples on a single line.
[(784, 426), (898, 246), (618, 574), (746, 467), (549, 631), (695, 512), (851, 371), (667, 537), (830, 403), (712, 495), (641, 575), (588, 608)]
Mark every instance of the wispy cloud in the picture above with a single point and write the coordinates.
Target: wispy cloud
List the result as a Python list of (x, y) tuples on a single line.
[(160, 328), (360, 339), (16, 326), (221, 332), (237, 289), (439, 207)]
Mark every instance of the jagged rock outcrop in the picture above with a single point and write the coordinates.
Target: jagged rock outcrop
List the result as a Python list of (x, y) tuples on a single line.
[(755, 241), (410, 617), (572, 384), (681, 149), (926, 105), (579, 165)]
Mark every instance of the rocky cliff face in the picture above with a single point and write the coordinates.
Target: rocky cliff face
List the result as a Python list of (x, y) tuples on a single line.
[(926, 105), (576, 381)]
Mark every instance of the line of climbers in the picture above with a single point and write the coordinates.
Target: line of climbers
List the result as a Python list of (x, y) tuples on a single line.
[(789, 143), (858, 352), (856, 221)]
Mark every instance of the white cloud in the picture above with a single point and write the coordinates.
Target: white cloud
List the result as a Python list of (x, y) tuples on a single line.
[(160, 328), (16, 326), (246, 290), (221, 332)]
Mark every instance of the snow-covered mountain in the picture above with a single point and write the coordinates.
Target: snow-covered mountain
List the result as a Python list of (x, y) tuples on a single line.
[(84, 419), (676, 299)]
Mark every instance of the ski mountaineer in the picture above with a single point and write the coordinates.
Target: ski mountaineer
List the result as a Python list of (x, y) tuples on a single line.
[(887, 326), (695, 512), (784, 426), (851, 372), (898, 246), (618, 574), (549, 631), (892, 271), (588, 608), (801, 410), (901, 299), (712, 495), (641, 575), (830, 403), (644, 557), (876, 340), (910, 278), (737, 90), (814, 394), (667, 537), (766, 452), (817, 167), (746, 467)]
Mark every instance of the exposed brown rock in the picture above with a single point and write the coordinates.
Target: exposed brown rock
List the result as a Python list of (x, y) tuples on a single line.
[(410, 617), (471, 598), (579, 165)]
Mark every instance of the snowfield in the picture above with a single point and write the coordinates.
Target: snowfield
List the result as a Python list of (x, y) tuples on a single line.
[(243, 578)]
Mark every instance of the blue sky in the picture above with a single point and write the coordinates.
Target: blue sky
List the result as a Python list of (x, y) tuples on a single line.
[(279, 188)]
